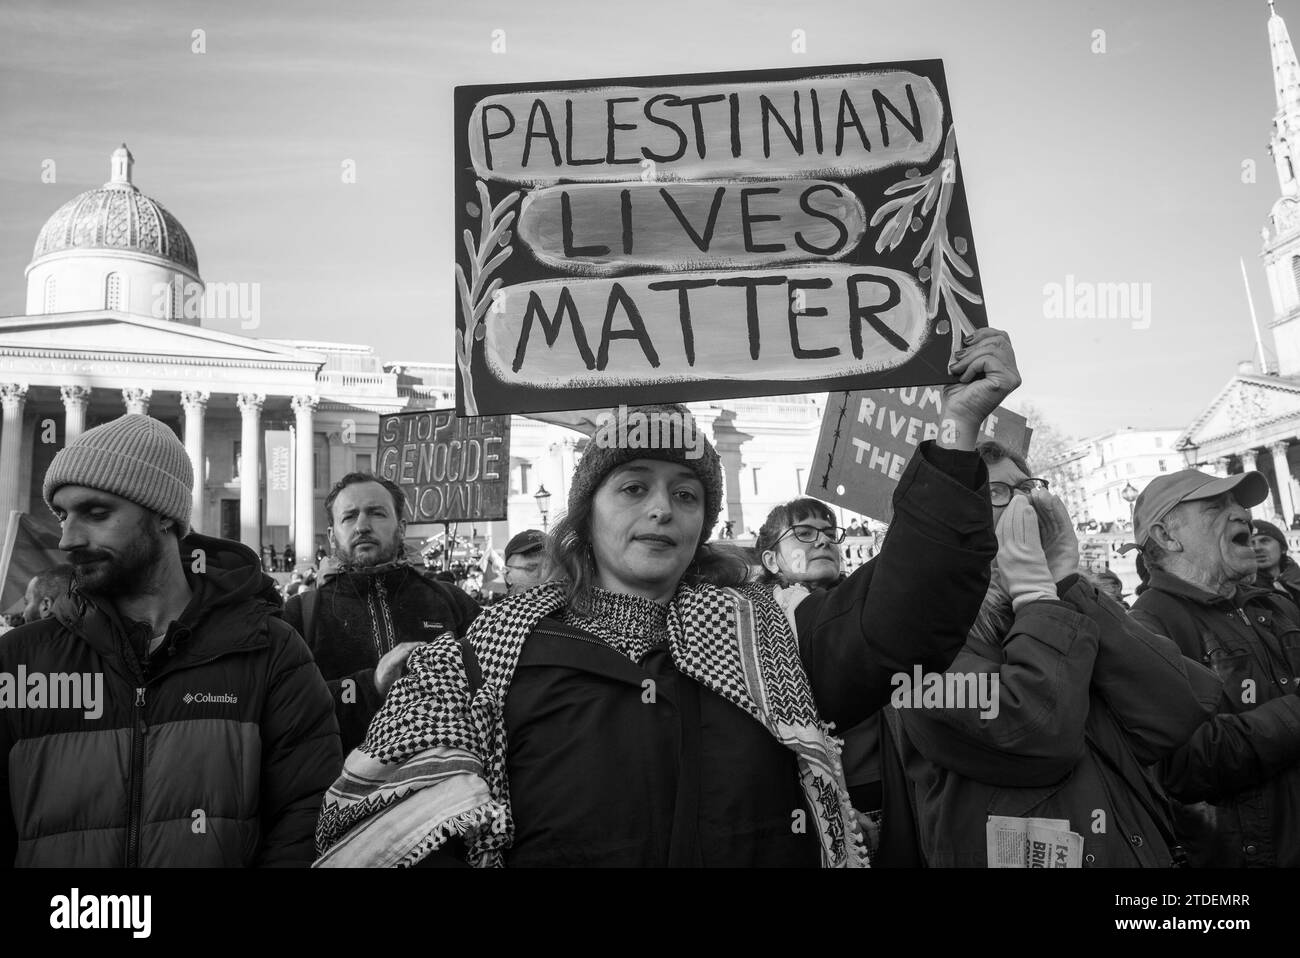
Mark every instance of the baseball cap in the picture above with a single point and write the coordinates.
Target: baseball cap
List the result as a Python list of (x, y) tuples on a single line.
[(527, 541), (1189, 485)]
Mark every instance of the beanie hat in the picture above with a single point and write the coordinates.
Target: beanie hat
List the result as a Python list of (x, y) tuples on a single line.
[(665, 431), (135, 457), (1262, 528)]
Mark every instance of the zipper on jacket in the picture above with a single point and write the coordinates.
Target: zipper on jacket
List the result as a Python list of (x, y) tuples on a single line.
[(138, 732)]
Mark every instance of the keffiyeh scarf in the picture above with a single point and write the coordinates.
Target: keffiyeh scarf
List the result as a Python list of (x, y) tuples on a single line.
[(433, 765)]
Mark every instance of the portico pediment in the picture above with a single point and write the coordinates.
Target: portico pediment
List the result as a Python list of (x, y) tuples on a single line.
[(106, 334), (1247, 407)]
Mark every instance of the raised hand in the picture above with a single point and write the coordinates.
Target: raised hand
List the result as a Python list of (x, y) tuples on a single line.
[(988, 375)]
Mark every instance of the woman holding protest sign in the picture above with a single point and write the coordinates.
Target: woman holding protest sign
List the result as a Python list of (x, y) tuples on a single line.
[(649, 708)]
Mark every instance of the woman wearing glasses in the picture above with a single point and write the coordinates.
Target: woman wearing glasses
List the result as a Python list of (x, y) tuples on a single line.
[(1083, 701)]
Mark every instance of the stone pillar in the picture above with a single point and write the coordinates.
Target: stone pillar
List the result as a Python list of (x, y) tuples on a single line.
[(1250, 460), (75, 401), (1220, 466), (304, 496), (250, 515), (137, 400), (727, 440), (13, 396), (1283, 473), (195, 403)]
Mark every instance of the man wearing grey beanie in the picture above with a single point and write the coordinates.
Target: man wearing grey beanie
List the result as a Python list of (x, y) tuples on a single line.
[(179, 720)]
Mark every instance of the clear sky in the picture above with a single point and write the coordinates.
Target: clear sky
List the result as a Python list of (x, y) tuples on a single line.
[(1122, 166)]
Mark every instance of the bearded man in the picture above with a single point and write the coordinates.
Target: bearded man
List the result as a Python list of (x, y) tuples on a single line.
[(168, 716), (363, 622)]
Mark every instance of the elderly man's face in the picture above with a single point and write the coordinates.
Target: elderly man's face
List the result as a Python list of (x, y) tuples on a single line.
[(523, 571), (1215, 536)]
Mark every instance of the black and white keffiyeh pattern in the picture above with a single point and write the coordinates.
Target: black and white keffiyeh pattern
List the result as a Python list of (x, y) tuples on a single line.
[(431, 734)]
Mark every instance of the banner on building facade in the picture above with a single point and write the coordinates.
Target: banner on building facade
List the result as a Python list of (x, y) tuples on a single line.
[(868, 437), (450, 468), (279, 477), (708, 236)]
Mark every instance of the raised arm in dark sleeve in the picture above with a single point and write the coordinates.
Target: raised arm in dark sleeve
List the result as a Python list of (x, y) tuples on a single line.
[(913, 603)]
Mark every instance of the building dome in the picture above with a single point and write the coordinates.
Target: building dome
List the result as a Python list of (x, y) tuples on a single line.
[(117, 216)]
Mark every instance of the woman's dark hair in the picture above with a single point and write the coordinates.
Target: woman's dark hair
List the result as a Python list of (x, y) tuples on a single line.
[(780, 519), (569, 549)]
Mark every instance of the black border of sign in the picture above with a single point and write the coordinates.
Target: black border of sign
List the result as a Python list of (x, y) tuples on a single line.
[(929, 367)]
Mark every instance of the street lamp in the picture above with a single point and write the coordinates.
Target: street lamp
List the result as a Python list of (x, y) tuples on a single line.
[(1129, 495), (543, 504)]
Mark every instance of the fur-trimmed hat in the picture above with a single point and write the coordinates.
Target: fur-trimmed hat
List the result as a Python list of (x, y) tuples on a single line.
[(665, 431), (135, 457)]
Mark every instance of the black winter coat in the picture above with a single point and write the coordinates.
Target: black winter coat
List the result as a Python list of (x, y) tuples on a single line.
[(1245, 761), (357, 617), (214, 751)]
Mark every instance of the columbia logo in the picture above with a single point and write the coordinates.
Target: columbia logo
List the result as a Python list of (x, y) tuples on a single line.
[(226, 698)]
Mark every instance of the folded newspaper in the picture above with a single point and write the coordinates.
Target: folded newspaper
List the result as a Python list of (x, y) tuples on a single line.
[(1032, 843)]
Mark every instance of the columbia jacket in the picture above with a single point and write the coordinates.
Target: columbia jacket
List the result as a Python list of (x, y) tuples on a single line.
[(213, 751), (1086, 699), (1244, 763)]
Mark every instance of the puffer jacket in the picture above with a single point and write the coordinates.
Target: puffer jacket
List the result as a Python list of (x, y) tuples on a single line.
[(1239, 774), (213, 751), (1086, 699)]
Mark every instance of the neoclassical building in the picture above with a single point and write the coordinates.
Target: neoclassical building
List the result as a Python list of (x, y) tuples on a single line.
[(1254, 421), (118, 319)]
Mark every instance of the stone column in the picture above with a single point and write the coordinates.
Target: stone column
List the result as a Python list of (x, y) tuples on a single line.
[(195, 404), (250, 515), (1283, 473), (728, 440), (75, 401), (137, 400), (1220, 466), (1250, 460), (304, 497), (13, 396)]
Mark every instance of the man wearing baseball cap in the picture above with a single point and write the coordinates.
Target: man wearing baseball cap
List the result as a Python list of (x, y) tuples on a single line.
[(181, 722), (526, 564), (1239, 774)]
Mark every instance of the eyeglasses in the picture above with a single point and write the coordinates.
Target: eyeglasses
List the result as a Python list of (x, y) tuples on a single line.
[(834, 534), (1001, 493)]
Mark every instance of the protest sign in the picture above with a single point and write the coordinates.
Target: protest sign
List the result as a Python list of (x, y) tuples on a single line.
[(708, 236), (450, 468), (867, 439)]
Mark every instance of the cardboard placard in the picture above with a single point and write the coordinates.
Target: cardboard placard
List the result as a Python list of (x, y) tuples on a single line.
[(451, 469), (868, 437), (708, 236)]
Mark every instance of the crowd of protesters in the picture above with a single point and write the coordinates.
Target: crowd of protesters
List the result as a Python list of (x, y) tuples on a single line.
[(639, 694)]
